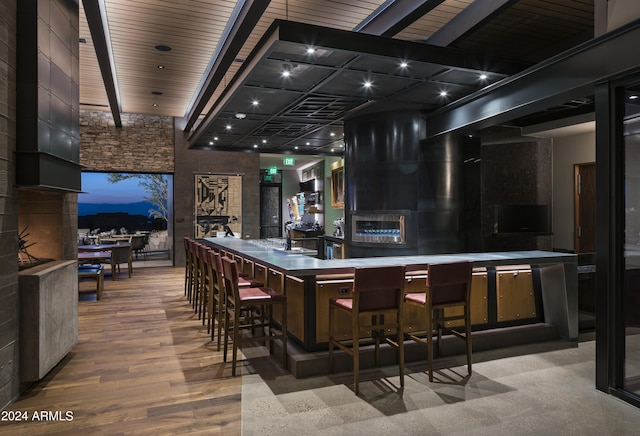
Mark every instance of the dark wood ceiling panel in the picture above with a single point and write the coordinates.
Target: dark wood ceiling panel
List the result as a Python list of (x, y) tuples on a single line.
[(533, 30)]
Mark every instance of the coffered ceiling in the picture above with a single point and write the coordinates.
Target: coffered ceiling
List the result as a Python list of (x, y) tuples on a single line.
[(206, 61)]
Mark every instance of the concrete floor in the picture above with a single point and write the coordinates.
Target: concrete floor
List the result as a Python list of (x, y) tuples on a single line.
[(540, 389)]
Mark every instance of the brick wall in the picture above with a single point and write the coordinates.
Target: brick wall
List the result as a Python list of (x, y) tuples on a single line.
[(144, 143), (9, 377)]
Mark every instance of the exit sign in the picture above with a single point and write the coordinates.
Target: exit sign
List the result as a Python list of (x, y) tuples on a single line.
[(288, 161), (273, 171)]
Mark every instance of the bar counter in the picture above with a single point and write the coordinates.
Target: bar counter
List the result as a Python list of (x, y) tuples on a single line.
[(309, 283)]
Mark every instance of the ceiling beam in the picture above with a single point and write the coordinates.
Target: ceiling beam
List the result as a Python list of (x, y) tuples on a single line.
[(570, 75), (473, 16), (391, 18), (100, 43), (249, 15)]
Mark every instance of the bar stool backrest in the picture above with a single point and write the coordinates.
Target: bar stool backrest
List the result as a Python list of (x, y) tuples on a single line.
[(449, 282), (374, 285), (230, 275)]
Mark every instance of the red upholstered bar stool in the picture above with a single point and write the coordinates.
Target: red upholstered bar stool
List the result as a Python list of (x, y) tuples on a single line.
[(200, 275), (375, 306), (188, 278), (195, 272), (217, 303), (205, 282), (240, 298), (448, 285)]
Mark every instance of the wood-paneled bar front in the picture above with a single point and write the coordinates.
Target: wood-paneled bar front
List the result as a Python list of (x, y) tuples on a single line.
[(508, 288)]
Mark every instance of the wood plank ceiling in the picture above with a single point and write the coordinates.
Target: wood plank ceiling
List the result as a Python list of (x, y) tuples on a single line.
[(152, 81)]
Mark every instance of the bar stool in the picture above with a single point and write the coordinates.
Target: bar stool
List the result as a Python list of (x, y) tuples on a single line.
[(377, 296), (205, 281), (197, 274), (217, 305), (191, 266), (187, 277), (448, 285), (241, 298)]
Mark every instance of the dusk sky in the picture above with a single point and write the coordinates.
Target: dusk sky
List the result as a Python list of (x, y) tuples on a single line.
[(96, 189)]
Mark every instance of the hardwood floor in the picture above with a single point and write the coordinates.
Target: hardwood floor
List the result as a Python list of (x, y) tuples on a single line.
[(143, 365)]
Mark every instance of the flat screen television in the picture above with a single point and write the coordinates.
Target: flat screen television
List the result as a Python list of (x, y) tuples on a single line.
[(521, 218)]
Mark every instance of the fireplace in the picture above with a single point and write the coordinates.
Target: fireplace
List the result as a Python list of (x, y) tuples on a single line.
[(47, 224), (48, 279)]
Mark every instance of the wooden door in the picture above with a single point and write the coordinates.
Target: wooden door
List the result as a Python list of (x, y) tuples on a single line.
[(585, 208)]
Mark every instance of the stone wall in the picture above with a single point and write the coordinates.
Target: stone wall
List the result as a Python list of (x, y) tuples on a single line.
[(9, 309), (144, 143)]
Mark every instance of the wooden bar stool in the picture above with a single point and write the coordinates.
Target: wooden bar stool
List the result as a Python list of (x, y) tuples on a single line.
[(239, 299), (448, 285), (217, 304), (205, 281), (188, 272), (375, 306)]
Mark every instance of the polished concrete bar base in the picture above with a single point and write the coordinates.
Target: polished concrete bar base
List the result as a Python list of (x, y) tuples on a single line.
[(303, 364)]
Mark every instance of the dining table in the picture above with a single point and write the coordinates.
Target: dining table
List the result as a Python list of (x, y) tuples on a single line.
[(100, 247), (93, 256)]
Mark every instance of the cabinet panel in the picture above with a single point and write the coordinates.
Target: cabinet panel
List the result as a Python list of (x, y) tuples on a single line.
[(295, 306), (247, 267), (514, 295), (260, 273), (478, 303), (414, 317), (275, 281), (325, 291)]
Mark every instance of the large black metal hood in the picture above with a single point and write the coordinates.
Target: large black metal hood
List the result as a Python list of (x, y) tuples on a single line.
[(48, 108), (306, 109)]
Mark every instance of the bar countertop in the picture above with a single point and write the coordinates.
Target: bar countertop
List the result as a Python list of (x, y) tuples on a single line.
[(301, 265)]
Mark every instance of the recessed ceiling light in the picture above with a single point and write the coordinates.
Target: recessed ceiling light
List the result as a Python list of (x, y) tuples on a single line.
[(215, 138), (255, 145), (403, 64), (367, 84), (228, 126), (311, 50), (633, 97), (332, 134), (240, 116), (443, 93), (295, 148), (163, 48), (255, 103), (155, 105), (161, 67), (332, 150), (483, 77), (264, 141), (210, 142), (307, 143), (286, 73)]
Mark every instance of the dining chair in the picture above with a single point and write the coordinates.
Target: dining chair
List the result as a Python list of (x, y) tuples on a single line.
[(447, 285), (374, 307), (137, 245), (120, 254), (239, 299)]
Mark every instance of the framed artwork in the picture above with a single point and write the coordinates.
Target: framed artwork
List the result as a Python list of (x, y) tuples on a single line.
[(337, 187), (218, 205)]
